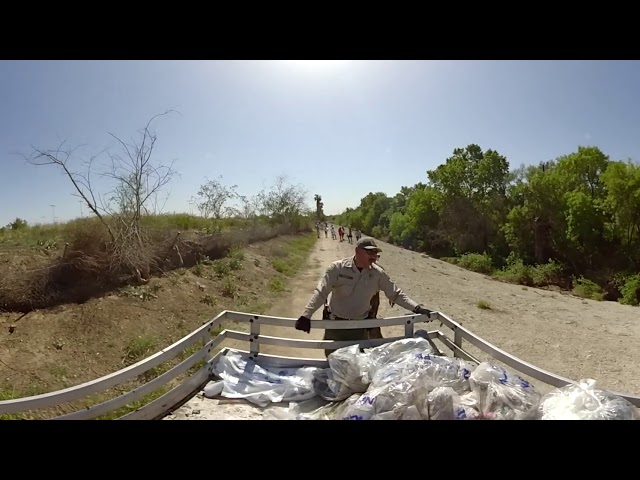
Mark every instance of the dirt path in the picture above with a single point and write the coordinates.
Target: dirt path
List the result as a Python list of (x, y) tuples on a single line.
[(567, 335)]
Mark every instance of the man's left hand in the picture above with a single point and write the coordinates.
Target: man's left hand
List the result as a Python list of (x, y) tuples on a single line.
[(420, 310)]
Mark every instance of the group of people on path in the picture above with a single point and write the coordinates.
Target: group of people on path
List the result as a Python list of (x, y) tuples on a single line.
[(342, 232)]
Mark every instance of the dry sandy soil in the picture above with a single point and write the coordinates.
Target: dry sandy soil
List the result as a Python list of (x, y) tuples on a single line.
[(567, 335)]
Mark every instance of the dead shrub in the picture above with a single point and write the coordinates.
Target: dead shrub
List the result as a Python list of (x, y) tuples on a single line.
[(94, 264)]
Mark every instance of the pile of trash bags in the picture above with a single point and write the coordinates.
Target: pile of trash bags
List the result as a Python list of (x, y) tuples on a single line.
[(405, 380)]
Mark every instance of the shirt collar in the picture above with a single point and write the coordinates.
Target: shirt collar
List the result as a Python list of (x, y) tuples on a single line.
[(351, 263)]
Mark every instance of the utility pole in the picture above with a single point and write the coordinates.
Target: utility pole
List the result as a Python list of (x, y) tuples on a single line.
[(53, 213)]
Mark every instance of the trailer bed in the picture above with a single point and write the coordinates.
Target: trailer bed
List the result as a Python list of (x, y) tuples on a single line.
[(186, 400)]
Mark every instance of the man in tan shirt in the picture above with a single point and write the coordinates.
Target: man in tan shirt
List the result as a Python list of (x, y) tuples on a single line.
[(352, 282)]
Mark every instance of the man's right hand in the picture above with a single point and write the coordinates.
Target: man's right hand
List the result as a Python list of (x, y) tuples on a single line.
[(304, 324)]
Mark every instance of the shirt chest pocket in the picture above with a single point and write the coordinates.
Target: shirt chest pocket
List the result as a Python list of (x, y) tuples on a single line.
[(363, 286), (345, 284), (369, 285)]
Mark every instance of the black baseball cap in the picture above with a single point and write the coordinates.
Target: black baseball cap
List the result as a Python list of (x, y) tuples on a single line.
[(368, 244)]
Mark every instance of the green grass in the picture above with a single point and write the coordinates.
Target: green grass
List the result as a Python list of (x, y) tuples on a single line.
[(476, 262), (484, 305), (38, 235), (585, 288), (277, 285), (138, 348), (292, 256), (133, 406), (515, 271), (10, 394), (630, 290)]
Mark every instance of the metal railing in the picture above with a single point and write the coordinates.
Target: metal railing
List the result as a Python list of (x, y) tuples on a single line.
[(212, 349)]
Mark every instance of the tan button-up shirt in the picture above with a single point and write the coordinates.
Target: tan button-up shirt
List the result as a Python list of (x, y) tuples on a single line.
[(351, 290)]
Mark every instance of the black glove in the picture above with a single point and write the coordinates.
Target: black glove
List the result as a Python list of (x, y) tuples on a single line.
[(420, 310), (304, 324)]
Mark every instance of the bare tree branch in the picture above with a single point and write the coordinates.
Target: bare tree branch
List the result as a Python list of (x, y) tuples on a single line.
[(60, 157), (135, 183)]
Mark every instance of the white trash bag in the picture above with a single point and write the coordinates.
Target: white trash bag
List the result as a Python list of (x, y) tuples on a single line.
[(295, 411), (349, 368), (397, 351), (327, 388), (437, 371), (446, 404), (502, 395), (585, 402), (402, 399), (243, 378)]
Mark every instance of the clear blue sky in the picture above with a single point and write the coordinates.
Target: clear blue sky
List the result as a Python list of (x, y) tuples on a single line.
[(342, 129)]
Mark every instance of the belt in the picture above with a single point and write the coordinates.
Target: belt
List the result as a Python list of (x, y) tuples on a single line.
[(340, 318)]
